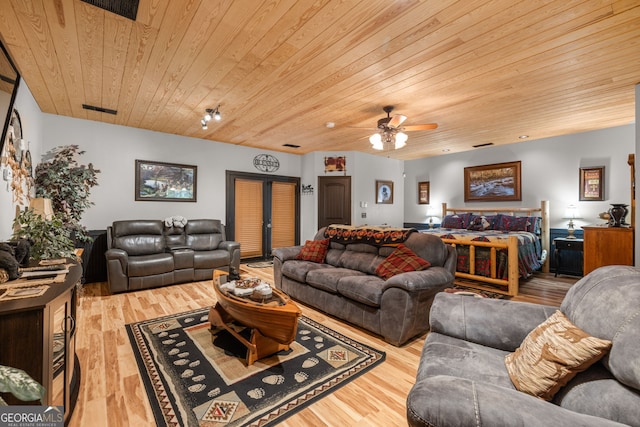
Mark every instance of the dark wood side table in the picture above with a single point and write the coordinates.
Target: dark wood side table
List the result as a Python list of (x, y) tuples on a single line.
[(563, 244), (38, 336)]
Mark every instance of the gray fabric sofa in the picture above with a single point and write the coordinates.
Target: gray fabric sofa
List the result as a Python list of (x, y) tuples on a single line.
[(462, 379), (145, 254), (346, 286)]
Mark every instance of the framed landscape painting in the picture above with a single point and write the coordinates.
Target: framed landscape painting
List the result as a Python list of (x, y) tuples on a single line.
[(165, 182), (592, 183), (493, 183)]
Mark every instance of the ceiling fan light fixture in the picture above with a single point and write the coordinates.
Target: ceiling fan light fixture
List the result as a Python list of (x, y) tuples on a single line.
[(376, 141), (401, 140), (207, 115)]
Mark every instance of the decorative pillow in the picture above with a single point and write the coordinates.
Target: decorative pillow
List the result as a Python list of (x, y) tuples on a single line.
[(401, 260), (513, 223), (314, 250), (457, 220), (551, 355), (480, 223)]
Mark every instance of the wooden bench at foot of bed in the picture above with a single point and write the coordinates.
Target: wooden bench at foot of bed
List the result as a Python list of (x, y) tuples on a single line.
[(510, 285)]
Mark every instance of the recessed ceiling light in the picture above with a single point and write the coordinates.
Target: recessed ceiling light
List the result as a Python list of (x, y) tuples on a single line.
[(330, 125), (445, 150), (523, 136)]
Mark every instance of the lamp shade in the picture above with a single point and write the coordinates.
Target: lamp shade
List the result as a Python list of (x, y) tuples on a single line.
[(376, 141), (401, 139), (41, 206)]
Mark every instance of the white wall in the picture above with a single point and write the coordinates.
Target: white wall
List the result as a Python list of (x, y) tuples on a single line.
[(114, 149), (31, 119), (550, 171)]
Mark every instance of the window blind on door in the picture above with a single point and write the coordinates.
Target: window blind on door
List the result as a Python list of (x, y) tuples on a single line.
[(248, 217), (283, 214)]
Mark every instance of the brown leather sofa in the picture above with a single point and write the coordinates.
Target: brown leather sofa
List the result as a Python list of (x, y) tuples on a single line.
[(145, 254)]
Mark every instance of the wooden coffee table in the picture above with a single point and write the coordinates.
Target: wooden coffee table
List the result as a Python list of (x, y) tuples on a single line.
[(273, 321)]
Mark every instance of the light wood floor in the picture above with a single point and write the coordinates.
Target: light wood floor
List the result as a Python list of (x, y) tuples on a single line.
[(112, 393)]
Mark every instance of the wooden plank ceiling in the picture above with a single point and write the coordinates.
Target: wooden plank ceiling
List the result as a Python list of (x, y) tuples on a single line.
[(484, 71)]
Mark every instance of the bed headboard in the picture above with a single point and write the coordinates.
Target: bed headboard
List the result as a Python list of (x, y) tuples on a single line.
[(542, 211)]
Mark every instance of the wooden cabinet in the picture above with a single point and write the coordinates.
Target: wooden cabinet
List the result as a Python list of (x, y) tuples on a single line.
[(607, 246), (38, 336)]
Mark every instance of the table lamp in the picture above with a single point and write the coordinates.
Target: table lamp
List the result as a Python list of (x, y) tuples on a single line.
[(571, 214)]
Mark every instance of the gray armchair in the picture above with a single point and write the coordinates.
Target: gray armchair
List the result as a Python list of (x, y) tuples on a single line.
[(462, 379)]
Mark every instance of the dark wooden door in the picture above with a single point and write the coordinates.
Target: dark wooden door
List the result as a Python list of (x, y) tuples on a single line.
[(262, 213), (334, 200)]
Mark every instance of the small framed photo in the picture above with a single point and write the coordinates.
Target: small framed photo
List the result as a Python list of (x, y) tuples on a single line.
[(592, 183), (384, 192), (423, 193), (165, 182)]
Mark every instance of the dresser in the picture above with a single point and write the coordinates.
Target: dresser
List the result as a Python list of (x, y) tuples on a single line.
[(38, 336), (605, 245)]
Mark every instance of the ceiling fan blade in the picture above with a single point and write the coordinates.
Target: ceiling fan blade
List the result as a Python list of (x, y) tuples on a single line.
[(396, 120), (428, 126)]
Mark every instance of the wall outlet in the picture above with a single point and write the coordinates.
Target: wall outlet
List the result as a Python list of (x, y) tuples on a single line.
[(363, 215)]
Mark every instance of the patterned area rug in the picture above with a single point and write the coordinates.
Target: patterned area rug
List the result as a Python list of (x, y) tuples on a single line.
[(191, 381)]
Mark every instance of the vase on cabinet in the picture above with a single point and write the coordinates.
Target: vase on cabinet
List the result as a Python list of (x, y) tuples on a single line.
[(617, 214)]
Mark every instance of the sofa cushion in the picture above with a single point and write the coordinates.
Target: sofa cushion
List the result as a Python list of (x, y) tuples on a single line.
[(149, 265), (360, 257), (298, 269), (365, 289), (314, 251), (446, 355), (401, 260), (211, 259), (551, 355), (327, 278), (614, 400)]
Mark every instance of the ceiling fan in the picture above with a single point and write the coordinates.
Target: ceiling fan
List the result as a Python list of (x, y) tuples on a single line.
[(391, 131)]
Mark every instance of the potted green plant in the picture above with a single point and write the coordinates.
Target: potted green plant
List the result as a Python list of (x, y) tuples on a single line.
[(20, 384), (68, 184), (49, 237)]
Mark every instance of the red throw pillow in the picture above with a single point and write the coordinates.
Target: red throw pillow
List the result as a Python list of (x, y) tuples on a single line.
[(399, 261), (314, 250)]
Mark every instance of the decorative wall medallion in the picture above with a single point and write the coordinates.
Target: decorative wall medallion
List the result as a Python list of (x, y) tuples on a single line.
[(266, 163)]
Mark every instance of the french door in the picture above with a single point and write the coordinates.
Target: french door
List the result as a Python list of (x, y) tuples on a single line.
[(262, 212)]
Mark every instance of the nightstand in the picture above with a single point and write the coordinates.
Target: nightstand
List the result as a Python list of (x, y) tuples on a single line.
[(564, 245)]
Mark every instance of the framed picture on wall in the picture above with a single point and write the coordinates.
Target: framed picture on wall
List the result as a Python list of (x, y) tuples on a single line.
[(165, 182), (592, 183), (493, 183), (384, 192), (423, 193)]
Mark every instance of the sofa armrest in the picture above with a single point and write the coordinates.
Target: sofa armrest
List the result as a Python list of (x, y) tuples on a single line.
[(415, 281), (448, 401), (486, 321), (452, 259), (117, 262), (119, 255), (285, 254), (234, 251)]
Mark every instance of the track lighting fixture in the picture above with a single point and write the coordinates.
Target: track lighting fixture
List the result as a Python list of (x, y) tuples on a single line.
[(210, 113)]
